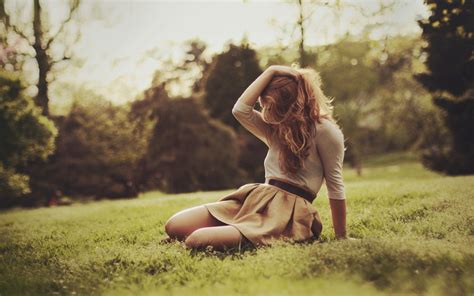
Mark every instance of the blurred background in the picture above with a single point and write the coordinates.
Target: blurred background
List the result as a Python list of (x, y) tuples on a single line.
[(108, 99)]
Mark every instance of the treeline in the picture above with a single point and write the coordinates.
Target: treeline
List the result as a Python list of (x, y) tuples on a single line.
[(185, 144)]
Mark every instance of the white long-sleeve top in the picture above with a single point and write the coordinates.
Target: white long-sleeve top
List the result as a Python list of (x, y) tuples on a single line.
[(324, 160)]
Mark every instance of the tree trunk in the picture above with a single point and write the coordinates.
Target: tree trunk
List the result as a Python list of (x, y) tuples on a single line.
[(303, 62), (42, 99)]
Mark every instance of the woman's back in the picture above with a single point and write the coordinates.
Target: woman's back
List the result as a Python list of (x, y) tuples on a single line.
[(325, 157)]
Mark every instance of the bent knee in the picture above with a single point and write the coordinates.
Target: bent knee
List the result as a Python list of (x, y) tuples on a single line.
[(196, 239), (172, 227), (168, 226)]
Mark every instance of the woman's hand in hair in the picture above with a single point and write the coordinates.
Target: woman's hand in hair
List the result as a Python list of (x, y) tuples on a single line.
[(280, 70)]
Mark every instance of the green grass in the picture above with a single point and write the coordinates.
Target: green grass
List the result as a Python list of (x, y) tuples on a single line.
[(415, 229)]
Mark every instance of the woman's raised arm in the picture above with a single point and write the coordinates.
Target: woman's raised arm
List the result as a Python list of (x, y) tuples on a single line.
[(253, 91), (244, 112)]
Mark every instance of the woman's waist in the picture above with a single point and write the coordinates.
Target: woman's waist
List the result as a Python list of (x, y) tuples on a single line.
[(292, 183)]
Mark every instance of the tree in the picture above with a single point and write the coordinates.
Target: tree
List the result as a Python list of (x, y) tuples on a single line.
[(449, 34), (188, 150), (332, 9), (379, 105), (230, 73), (97, 155), (182, 78), (26, 135), (42, 39)]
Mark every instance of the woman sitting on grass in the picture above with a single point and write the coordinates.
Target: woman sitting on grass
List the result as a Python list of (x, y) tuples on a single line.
[(305, 146)]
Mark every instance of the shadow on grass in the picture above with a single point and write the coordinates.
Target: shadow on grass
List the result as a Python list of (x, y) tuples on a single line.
[(246, 249)]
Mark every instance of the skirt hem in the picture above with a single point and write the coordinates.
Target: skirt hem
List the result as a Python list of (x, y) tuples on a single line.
[(263, 213), (223, 220)]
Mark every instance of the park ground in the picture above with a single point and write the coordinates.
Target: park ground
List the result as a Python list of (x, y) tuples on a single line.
[(415, 230)]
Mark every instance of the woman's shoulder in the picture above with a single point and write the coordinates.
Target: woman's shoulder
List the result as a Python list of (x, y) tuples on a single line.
[(328, 125), (328, 129)]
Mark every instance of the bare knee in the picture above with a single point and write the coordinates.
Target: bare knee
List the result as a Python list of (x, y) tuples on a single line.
[(168, 227), (196, 239), (186, 221), (172, 228)]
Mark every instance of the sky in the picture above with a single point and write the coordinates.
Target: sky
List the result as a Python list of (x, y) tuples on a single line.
[(116, 35)]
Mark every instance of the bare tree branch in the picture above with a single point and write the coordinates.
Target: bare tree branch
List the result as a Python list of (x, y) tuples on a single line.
[(74, 7), (382, 8), (10, 25)]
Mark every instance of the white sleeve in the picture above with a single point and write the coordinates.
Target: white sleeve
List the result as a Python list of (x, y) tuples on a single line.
[(330, 145), (252, 120)]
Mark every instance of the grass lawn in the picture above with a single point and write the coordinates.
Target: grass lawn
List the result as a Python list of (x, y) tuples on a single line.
[(415, 229)]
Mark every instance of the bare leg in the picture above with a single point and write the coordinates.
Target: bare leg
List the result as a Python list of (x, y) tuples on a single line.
[(220, 237), (184, 222)]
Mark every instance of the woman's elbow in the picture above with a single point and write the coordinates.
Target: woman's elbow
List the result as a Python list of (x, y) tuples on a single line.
[(241, 115), (235, 112)]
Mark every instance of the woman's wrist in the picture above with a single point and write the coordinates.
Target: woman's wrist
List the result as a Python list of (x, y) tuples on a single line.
[(280, 70), (271, 70), (253, 91)]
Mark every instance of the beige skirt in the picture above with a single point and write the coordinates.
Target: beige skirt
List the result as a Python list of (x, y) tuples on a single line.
[(264, 212)]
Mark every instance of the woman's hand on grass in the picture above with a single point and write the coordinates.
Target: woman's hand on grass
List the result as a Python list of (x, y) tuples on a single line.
[(344, 236), (347, 238)]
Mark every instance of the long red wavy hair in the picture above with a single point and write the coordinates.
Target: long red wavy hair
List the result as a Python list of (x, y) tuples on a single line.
[(292, 106)]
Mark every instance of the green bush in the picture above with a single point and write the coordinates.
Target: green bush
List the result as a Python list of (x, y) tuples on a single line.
[(26, 135), (190, 151), (97, 154)]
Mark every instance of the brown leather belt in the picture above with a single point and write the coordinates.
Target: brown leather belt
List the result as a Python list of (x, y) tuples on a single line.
[(309, 196)]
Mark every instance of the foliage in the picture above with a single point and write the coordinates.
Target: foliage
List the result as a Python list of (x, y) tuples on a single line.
[(186, 75), (188, 150), (449, 34), (378, 103), (26, 135), (37, 36), (229, 74), (454, 154), (97, 154), (252, 152), (415, 238)]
